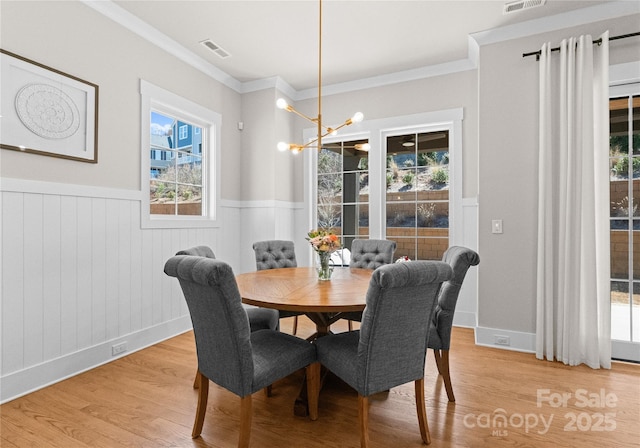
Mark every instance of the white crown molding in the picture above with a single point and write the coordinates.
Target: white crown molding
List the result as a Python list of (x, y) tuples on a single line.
[(557, 22), (126, 19), (583, 16), (391, 78)]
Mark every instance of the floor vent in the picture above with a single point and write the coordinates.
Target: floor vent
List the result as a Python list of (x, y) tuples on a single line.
[(521, 4), (215, 48)]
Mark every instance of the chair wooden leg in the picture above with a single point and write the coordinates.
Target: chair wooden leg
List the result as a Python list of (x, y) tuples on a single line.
[(445, 375), (422, 412), (267, 391), (245, 421), (203, 395), (196, 381), (363, 417), (350, 325), (313, 389), (436, 355), (295, 324)]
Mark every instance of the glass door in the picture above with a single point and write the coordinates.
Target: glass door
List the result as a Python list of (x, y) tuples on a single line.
[(624, 182)]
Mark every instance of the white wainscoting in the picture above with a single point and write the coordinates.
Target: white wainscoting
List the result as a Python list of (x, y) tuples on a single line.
[(79, 275), (467, 305)]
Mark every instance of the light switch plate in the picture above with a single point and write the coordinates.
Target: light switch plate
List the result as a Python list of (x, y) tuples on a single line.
[(496, 226)]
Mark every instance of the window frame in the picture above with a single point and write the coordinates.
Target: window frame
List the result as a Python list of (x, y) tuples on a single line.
[(158, 99)]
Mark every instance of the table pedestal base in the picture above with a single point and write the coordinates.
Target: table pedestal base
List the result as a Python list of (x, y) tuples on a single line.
[(323, 323)]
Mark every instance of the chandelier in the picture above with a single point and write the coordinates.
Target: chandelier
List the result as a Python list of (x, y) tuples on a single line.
[(323, 131)]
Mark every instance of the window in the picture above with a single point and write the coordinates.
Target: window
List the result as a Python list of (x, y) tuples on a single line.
[(411, 194), (417, 194), (184, 131), (179, 160), (176, 186)]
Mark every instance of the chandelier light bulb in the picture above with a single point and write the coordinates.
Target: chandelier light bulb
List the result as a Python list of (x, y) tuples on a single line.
[(282, 146), (357, 117), (281, 103)]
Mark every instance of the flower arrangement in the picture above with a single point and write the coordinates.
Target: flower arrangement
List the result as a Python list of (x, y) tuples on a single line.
[(403, 259), (323, 241)]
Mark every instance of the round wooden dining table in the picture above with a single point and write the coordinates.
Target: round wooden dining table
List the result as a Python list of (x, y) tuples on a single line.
[(298, 289)]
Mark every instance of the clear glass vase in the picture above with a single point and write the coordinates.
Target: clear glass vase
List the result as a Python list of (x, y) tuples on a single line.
[(324, 270)]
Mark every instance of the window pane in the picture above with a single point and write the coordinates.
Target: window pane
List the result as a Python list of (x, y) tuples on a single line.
[(162, 198), (635, 313), (635, 168), (401, 163), (190, 169), (636, 125), (619, 254), (636, 251), (619, 168), (619, 224), (434, 246), (401, 214), (405, 247), (635, 210), (618, 126), (190, 200), (620, 311), (329, 214), (433, 214), (620, 205), (330, 159)]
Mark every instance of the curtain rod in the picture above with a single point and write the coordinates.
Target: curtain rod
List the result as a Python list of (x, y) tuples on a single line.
[(597, 41)]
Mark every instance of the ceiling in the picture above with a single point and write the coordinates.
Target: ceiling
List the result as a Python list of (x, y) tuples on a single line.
[(361, 38)]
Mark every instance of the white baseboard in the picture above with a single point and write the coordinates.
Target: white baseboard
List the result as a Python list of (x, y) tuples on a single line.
[(518, 341), (22, 382)]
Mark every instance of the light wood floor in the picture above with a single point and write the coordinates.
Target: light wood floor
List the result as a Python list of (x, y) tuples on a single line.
[(146, 399)]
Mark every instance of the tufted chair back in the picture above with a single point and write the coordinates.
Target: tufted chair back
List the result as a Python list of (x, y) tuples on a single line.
[(371, 254), (460, 259), (390, 347), (198, 251), (274, 254), (229, 353)]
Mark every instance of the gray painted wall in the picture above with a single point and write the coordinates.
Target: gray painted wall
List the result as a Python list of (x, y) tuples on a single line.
[(507, 167)]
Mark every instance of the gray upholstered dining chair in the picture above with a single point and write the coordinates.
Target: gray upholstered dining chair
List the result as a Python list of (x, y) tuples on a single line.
[(275, 254), (390, 347), (229, 353), (259, 318), (368, 254), (460, 259)]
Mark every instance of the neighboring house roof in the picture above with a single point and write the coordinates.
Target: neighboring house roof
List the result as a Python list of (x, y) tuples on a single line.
[(160, 141)]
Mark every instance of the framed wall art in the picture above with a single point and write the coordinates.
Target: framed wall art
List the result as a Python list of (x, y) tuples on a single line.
[(45, 111)]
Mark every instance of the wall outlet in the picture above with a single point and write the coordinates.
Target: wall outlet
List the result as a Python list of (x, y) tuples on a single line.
[(501, 340), (118, 348)]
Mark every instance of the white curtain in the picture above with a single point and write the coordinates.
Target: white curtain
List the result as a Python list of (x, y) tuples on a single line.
[(573, 308)]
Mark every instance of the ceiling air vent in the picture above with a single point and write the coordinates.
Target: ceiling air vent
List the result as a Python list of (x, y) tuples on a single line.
[(521, 4), (215, 48)]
